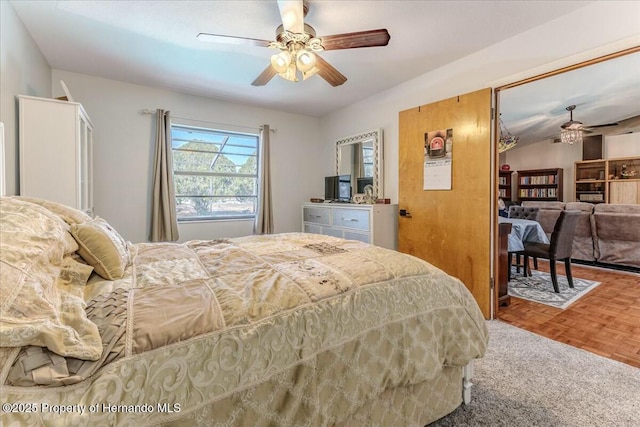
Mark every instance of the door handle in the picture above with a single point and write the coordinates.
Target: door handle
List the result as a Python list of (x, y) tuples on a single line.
[(405, 213)]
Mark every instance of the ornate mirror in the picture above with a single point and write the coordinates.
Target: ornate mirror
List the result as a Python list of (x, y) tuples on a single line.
[(361, 157)]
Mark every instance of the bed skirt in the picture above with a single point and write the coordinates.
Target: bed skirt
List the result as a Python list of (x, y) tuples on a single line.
[(406, 406), (410, 406)]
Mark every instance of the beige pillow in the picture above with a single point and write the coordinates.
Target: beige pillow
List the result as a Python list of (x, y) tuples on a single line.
[(102, 247), (68, 214), (63, 213), (41, 291)]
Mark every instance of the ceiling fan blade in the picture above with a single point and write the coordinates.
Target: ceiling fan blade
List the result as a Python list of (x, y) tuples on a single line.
[(602, 126), (329, 73), (369, 38), (217, 38), (291, 12), (265, 76)]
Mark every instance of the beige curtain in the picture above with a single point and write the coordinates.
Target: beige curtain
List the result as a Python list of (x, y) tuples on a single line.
[(164, 223), (264, 215), (358, 161)]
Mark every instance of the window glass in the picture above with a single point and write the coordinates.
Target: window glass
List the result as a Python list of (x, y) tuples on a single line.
[(367, 160), (215, 173)]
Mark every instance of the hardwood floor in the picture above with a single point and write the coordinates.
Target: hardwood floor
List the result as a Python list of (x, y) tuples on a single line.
[(606, 321)]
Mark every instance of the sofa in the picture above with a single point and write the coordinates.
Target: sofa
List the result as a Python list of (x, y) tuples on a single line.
[(584, 247), (607, 234)]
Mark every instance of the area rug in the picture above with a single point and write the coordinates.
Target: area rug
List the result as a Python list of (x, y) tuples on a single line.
[(539, 288)]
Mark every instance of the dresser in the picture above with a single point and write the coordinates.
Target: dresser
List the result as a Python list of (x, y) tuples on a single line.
[(375, 224), (56, 151)]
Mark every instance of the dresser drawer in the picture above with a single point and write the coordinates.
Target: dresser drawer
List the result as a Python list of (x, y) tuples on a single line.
[(311, 228), (373, 224), (316, 215), (335, 232), (357, 236), (351, 218)]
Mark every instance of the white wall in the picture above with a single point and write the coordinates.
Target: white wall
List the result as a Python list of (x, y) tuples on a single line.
[(562, 42), (123, 153), (23, 71), (627, 145)]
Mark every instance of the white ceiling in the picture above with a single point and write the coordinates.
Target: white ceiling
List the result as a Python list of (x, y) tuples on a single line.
[(154, 43)]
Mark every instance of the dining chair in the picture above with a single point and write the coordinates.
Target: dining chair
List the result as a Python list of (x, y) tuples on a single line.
[(559, 248), (522, 212)]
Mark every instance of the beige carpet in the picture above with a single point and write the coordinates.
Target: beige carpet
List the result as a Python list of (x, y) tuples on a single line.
[(529, 380)]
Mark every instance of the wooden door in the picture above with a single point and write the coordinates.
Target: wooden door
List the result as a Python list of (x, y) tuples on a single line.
[(451, 229)]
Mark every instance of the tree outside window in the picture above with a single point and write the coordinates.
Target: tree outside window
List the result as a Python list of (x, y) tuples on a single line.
[(215, 173)]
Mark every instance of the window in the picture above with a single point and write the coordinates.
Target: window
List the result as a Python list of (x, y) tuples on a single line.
[(367, 159), (215, 173)]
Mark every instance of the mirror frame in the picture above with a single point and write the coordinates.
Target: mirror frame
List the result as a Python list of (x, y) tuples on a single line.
[(378, 174)]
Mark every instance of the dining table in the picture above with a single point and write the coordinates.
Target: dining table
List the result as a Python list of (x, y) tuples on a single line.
[(523, 230)]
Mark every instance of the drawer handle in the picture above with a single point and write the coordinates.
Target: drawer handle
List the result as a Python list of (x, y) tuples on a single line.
[(351, 220), (315, 216)]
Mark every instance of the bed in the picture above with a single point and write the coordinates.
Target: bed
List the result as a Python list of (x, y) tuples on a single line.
[(272, 330)]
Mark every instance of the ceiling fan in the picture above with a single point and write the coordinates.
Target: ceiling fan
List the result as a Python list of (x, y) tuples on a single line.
[(576, 125), (299, 45), (574, 129)]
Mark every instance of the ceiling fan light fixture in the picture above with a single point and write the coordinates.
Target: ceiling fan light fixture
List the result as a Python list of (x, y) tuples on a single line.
[(571, 136), (506, 141), (571, 132), (305, 60), (290, 73), (281, 61)]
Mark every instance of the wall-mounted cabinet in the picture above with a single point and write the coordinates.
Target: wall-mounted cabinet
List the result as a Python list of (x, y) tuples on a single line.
[(540, 184), (504, 185), (608, 181)]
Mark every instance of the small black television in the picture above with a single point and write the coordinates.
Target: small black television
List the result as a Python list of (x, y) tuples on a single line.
[(363, 182), (337, 188)]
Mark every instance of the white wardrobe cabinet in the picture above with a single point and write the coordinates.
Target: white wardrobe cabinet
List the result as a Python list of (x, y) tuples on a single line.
[(56, 152)]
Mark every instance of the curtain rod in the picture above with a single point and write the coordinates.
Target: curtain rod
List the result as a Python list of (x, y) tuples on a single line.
[(146, 111)]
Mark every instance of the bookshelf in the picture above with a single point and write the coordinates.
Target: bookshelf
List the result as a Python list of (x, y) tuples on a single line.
[(608, 181), (590, 181), (540, 184), (504, 185)]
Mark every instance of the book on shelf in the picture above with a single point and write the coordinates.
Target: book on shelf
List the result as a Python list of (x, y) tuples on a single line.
[(538, 180), (591, 197), (543, 193)]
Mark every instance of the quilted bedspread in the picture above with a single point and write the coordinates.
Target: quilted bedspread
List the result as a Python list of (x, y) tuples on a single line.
[(286, 329)]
